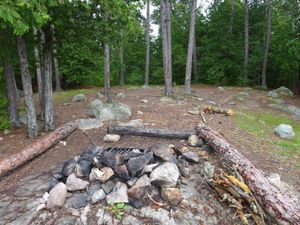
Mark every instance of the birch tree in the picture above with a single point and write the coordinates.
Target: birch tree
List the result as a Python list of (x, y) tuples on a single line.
[(246, 42), (147, 64)]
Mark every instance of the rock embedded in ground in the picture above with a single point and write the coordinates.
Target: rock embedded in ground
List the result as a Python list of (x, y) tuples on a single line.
[(165, 175), (171, 195), (100, 95), (191, 157), (164, 152), (57, 196), (118, 194), (111, 138), (108, 111), (52, 184), (75, 184), (284, 131), (104, 217), (144, 101), (120, 95), (195, 141), (83, 168), (133, 123), (79, 98), (209, 169), (106, 174), (194, 112), (98, 196), (136, 164), (280, 92), (87, 124), (131, 220), (287, 108)]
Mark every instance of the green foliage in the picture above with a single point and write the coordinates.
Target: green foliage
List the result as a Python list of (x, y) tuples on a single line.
[(118, 209), (4, 121)]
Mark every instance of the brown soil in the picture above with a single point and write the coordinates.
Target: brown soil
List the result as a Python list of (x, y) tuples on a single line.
[(156, 114)]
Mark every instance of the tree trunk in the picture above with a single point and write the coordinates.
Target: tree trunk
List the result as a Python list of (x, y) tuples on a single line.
[(166, 44), (47, 82), (278, 205), (11, 92), (121, 56), (55, 60), (148, 132), (37, 61), (14, 161), (196, 77), (267, 46), (246, 47), (188, 70), (147, 64), (42, 95), (27, 88), (107, 86), (231, 16)]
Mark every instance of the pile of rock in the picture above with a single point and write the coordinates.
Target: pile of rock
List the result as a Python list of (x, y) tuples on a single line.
[(119, 175)]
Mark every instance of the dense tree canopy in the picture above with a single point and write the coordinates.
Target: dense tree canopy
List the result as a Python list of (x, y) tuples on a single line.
[(82, 28)]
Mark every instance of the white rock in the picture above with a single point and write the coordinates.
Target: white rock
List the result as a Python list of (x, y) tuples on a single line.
[(79, 98), (140, 112), (75, 184), (144, 101), (209, 169), (284, 131), (95, 174), (111, 138), (120, 95), (195, 141), (57, 196), (118, 194), (133, 123), (165, 175), (106, 174), (87, 124)]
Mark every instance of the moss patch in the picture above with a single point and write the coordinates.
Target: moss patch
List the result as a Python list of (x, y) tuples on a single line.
[(263, 124)]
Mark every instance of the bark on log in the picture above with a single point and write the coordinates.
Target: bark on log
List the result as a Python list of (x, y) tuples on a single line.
[(12, 162), (148, 132), (278, 205)]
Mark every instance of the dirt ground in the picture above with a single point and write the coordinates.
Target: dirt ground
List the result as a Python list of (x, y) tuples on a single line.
[(157, 114)]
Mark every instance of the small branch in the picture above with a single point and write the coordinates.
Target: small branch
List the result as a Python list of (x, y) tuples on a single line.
[(88, 136)]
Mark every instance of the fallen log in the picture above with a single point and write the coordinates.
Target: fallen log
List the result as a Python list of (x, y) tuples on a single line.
[(149, 132), (276, 204), (212, 109), (12, 162)]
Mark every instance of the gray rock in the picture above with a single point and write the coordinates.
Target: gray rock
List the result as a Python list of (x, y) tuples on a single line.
[(166, 99), (57, 196), (287, 108), (161, 215), (118, 194), (164, 152), (104, 217), (122, 172), (84, 215), (284, 131), (6, 132), (23, 118), (109, 112), (120, 95), (68, 167), (165, 175), (139, 188), (136, 165), (83, 168), (87, 124), (209, 169), (172, 195), (108, 186), (131, 220), (191, 157), (100, 95), (111, 138), (106, 174), (77, 201), (98, 196), (93, 188), (75, 184), (66, 220), (195, 141), (279, 92), (149, 168), (79, 98), (133, 123), (95, 175)]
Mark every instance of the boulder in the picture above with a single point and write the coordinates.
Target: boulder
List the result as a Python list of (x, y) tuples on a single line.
[(87, 124), (79, 98), (109, 111), (280, 92), (57, 196), (111, 138), (75, 184), (120, 95), (195, 141), (165, 175), (172, 195), (98, 196), (191, 157), (133, 123), (284, 131), (118, 194)]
